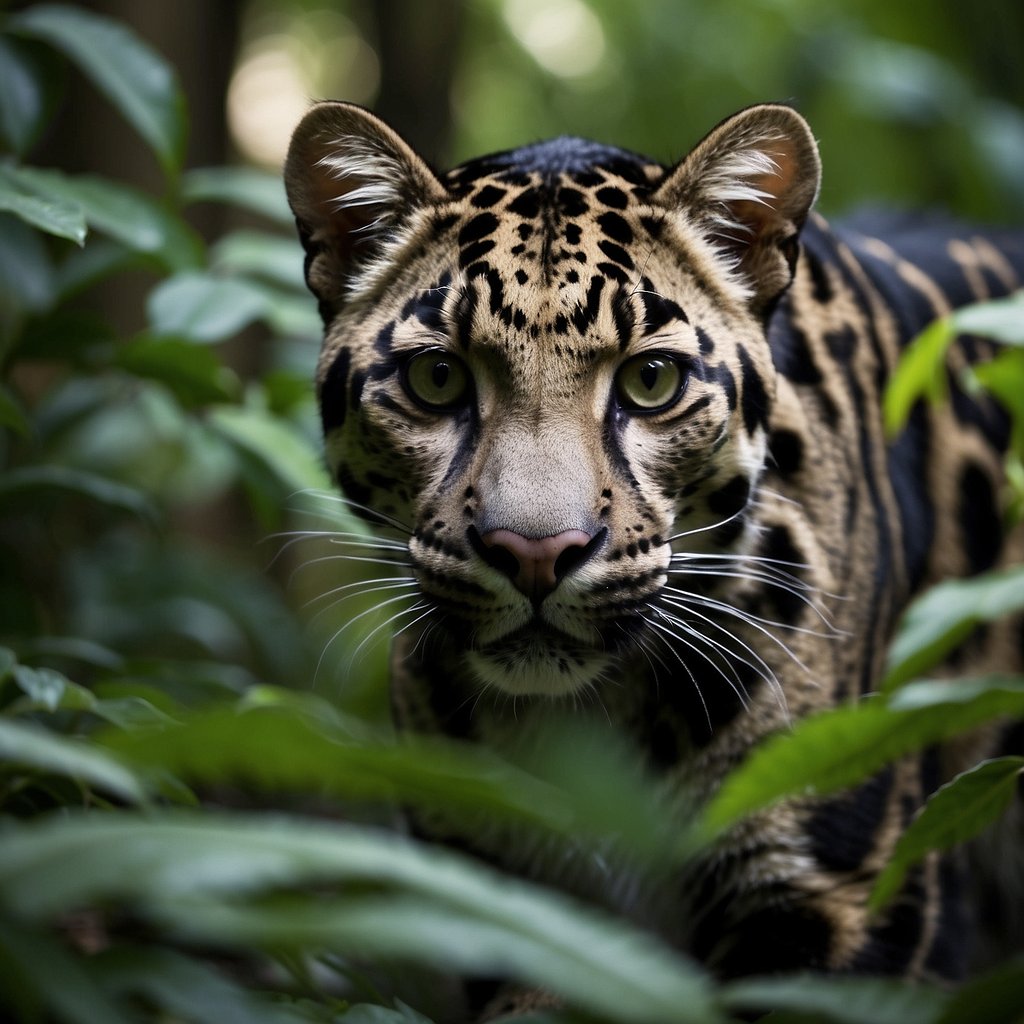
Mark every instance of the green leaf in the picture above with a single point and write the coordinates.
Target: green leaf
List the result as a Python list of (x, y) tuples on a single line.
[(1003, 377), (997, 997), (289, 456), (32, 747), (74, 648), (838, 748), (222, 744), (203, 307), (129, 72), (7, 662), (187, 990), (45, 687), (52, 214), (920, 371), (957, 811), (838, 1000), (199, 877), (367, 1013), (29, 963), (125, 214), (88, 485), (21, 97), (26, 274), (938, 621), (250, 189), (571, 784), (195, 374), (1001, 319), (85, 267), (261, 255), (12, 415)]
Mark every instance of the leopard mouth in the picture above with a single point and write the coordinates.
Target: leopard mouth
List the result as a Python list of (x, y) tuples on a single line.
[(538, 659)]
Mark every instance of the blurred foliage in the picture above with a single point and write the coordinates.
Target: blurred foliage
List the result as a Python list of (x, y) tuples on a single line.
[(196, 804), (915, 104)]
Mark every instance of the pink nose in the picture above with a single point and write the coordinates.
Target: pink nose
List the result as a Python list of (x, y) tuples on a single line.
[(536, 566)]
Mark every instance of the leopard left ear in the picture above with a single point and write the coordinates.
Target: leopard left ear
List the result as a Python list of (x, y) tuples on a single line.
[(749, 185), (353, 184)]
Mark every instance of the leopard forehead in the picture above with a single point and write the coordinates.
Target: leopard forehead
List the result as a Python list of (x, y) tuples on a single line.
[(544, 255)]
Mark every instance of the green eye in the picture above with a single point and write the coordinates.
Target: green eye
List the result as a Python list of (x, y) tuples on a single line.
[(436, 379), (648, 382)]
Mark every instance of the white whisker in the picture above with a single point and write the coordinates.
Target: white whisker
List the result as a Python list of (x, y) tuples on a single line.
[(735, 684), (351, 622), (686, 668)]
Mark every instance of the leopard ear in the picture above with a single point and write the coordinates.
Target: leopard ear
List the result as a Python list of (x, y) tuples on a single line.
[(352, 183), (749, 185)]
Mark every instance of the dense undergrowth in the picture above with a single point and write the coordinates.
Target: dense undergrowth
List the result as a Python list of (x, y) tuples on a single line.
[(193, 829)]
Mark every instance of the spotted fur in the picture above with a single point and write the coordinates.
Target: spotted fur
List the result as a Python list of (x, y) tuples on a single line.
[(727, 561)]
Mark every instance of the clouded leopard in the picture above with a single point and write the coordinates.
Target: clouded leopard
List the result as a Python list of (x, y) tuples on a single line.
[(625, 419)]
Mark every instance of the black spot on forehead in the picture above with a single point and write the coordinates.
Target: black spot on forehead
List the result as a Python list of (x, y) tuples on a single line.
[(570, 202), (481, 225), (526, 205), (488, 196), (659, 310), (615, 227), (613, 197)]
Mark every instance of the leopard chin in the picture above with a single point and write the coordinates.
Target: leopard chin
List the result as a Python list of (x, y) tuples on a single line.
[(538, 661)]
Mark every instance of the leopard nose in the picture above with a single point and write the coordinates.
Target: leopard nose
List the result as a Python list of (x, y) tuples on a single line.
[(536, 566)]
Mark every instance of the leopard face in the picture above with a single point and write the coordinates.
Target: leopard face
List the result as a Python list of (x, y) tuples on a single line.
[(551, 366)]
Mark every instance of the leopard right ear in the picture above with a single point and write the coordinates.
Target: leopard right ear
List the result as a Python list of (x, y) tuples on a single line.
[(352, 183)]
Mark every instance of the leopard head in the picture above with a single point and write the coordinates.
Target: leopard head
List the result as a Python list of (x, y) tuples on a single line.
[(550, 365)]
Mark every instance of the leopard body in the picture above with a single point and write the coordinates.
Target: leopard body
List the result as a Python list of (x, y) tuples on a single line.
[(697, 572)]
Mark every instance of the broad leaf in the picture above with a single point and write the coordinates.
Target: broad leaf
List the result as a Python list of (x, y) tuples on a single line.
[(956, 812), (125, 214), (47, 688), (52, 214), (1003, 376), (200, 877), (29, 964), (187, 990), (22, 96), (192, 372), (32, 747), (203, 307), (921, 371), (1000, 319), (12, 414), (7, 663), (840, 747), (88, 485), (945, 615), (997, 997), (129, 72), (258, 191), (270, 257), (288, 455), (922, 368), (367, 1013), (586, 796), (26, 273), (837, 1000)]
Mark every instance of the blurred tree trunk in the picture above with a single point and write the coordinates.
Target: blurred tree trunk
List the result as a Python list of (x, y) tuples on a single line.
[(418, 44), (199, 39)]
